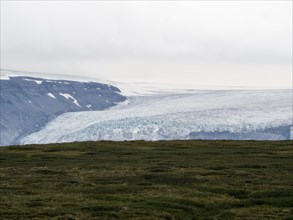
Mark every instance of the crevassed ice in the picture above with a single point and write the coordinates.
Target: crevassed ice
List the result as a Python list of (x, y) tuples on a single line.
[(173, 116)]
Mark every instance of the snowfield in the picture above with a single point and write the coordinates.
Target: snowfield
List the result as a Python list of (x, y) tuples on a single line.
[(197, 114)]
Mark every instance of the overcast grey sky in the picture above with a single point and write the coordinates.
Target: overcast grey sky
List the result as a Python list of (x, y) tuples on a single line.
[(222, 43)]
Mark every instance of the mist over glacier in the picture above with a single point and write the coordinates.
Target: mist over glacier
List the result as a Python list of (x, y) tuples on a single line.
[(200, 114)]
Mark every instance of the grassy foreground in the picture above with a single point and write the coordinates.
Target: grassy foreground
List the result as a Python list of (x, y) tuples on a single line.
[(148, 180)]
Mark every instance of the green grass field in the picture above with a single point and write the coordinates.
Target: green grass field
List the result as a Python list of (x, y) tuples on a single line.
[(148, 180)]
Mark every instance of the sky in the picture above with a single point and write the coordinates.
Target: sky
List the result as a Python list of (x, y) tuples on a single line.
[(220, 43)]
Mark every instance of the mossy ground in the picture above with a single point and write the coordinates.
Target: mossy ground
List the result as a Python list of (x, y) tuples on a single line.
[(148, 180)]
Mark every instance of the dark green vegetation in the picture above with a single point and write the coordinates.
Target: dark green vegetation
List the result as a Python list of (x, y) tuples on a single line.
[(148, 180)]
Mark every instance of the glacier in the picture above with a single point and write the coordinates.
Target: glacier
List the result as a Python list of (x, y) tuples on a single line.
[(196, 114)]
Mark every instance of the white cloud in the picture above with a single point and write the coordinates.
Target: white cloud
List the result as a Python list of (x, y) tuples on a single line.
[(214, 42)]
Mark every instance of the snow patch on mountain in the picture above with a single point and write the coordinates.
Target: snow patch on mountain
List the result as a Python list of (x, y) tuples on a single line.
[(51, 95), (68, 96)]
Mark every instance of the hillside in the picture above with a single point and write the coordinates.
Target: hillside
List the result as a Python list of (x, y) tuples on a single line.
[(29, 103), (148, 180)]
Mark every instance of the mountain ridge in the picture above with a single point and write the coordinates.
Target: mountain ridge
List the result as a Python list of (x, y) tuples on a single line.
[(28, 103)]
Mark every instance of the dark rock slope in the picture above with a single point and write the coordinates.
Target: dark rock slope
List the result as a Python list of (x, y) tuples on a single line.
[(28, 103)]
